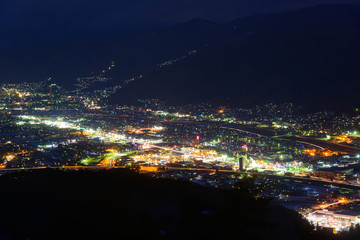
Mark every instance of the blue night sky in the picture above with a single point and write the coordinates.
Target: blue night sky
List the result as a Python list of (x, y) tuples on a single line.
[(26, 23)]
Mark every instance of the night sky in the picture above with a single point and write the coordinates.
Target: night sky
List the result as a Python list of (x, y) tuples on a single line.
[(26, 23)]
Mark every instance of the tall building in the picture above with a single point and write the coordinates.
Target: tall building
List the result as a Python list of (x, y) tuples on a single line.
[(242, 162)]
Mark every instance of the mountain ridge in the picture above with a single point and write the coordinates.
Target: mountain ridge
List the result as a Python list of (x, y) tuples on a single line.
[(288, 56), (269, 61)]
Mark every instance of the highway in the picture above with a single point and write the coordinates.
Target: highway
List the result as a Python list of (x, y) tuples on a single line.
[(340, 184), (145, 169), (260, 132), (270, 133)]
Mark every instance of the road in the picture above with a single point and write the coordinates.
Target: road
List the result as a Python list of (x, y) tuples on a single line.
[(261, 132), (145, 169)]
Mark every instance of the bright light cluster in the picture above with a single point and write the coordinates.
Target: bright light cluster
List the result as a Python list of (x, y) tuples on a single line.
[(329, 219)]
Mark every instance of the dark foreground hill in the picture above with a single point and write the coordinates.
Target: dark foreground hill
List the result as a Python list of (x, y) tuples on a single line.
[(119, 204)]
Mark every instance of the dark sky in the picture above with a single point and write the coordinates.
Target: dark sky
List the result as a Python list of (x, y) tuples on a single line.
[(26, 23)]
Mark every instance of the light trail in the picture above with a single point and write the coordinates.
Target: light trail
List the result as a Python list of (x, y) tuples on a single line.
[(341, 201), (240, 130), (312, 145)]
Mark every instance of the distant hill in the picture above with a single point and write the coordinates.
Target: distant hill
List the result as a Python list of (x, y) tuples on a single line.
[(132, 54), (308, 56)]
